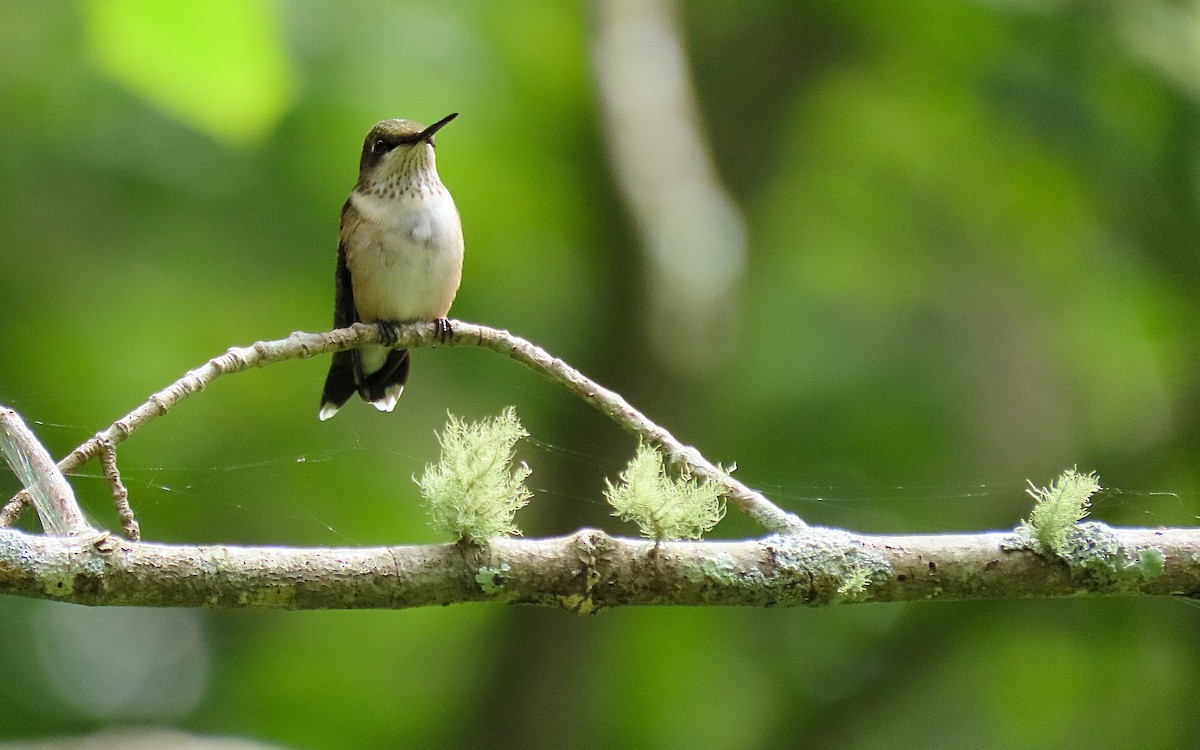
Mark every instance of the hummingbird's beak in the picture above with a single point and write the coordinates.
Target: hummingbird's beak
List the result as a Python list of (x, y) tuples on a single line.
[(428, 132)]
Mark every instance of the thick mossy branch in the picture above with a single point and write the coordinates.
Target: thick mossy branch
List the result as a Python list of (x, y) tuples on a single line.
[(474, 491), (663, 507), (585, 572)]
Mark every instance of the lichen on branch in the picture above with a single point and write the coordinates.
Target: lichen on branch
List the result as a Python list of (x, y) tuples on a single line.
[(1059, 507), (474, 491), (662, 506)]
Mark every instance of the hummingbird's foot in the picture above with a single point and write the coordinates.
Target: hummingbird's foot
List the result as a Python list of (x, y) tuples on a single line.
[(442, 330), (389, 331)]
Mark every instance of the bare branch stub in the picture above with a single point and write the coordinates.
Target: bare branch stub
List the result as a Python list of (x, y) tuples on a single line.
[(12, 510), (108, 463)]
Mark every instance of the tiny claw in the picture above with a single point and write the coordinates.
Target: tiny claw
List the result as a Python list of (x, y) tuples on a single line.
[(389, 331), (442, 330)]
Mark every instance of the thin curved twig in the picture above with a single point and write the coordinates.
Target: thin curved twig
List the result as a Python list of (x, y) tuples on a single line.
[(302, 345)]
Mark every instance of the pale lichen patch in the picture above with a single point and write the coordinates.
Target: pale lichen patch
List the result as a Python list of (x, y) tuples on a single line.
[(492, 580), (1095, 555)]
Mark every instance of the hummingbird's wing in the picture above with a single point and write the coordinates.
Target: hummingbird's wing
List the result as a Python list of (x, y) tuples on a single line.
[(382, 385), (344, 312), (341, 383)]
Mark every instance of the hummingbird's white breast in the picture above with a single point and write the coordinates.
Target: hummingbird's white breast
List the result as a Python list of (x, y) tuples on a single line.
[(404, 249)]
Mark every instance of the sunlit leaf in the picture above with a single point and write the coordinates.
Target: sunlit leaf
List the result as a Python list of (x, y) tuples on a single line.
[(218, 66)]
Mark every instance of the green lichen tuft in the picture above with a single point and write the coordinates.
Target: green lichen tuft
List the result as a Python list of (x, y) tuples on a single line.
[(1097, 558), (856, 581), (474, 491), (662, 506), (492, 580), (1150, 563), (1094, 553), (1059, 508)]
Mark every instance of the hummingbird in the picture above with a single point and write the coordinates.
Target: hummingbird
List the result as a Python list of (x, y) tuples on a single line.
[(400, 253)]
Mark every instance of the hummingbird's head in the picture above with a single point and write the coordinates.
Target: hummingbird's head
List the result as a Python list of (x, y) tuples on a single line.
[(397, 148)]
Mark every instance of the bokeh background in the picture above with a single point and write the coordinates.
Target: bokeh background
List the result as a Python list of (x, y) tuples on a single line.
[(890, 259)]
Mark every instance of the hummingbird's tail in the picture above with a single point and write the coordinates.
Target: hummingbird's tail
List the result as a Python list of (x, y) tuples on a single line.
[(382, 387), (339, 384)]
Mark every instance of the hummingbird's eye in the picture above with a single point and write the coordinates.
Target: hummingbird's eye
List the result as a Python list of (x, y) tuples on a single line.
[(380, 146)]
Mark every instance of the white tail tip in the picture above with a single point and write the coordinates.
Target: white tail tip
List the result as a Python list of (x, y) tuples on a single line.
[(327, 411), (390, 397)]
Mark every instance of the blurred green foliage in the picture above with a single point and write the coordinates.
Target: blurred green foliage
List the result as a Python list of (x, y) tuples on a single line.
[(973, 259)]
